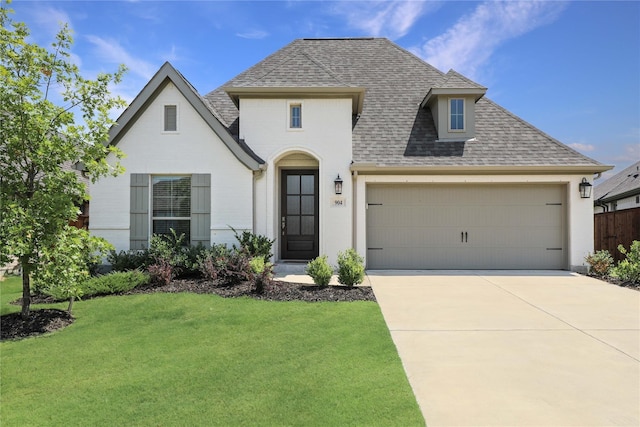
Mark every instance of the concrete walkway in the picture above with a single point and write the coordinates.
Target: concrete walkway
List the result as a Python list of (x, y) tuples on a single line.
[(491, 348)]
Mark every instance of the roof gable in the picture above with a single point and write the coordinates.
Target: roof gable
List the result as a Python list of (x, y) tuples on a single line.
[(158, 82)]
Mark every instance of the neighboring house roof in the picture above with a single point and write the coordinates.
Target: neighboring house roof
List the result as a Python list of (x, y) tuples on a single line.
[(624, 184), (169, 74), (392, 130)]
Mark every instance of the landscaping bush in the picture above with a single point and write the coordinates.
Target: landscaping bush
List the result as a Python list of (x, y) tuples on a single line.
[(629, 268), (129, 260), (234, 269), (350, 268), (320, 270), (161, 272), (108, 284), (211, 260), (600, 263), (254, 245), (172, 250), (262, 273)]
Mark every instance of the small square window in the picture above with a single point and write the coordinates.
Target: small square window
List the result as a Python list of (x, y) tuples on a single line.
[(170, 118), (295, 116), (456, 114)]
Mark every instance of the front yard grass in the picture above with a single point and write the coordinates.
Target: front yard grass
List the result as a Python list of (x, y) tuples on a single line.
[(186, 359)]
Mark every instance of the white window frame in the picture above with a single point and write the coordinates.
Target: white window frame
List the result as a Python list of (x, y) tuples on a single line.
[(464, 115), (153, 218), (164, 124), (290, 105)]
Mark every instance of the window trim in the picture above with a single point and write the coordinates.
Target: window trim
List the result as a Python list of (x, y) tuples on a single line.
[(449, 115), (153, 218), (164, 119), (290, 105)]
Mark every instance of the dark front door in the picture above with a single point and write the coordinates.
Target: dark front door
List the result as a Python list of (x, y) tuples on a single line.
[(299, 214)]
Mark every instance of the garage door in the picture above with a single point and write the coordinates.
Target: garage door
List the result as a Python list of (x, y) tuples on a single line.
[(427, 226)]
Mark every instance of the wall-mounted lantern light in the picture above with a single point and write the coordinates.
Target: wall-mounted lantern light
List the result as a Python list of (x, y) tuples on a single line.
[(585, 188), (338, 185)]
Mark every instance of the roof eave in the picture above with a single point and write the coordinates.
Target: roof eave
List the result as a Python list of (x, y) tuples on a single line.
[(373, 168), (435, 92)]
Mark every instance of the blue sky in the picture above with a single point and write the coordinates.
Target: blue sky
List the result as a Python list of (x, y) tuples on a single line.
[(571, 69)]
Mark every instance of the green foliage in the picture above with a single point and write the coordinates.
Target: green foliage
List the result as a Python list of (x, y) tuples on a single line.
[(108, 284), (262, 273), (129, 260), (600, 262), (320, 270), (350, 268), (172, 250), (629, 268), (65, 263), (38, 192), (254, 245)]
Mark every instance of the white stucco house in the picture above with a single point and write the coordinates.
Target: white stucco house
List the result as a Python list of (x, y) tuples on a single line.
[(434, 174)]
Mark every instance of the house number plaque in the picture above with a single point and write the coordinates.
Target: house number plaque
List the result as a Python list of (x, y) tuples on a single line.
[(338, 202)]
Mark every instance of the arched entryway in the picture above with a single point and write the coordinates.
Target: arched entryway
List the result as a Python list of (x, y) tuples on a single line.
[(299, 207)]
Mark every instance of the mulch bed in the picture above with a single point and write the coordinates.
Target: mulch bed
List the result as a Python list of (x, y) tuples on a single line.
[(41, 321), (618, 282)]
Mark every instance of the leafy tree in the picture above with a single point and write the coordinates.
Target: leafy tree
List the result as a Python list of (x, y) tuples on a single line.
[(38, 196)]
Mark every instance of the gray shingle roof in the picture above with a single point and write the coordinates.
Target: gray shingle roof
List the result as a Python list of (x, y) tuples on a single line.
[(393, 130), (623, 184)]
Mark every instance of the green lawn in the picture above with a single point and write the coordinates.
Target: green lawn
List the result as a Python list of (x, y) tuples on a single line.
[(188, 360)]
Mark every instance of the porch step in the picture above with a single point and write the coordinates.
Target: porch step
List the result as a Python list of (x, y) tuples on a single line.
[(289, 267)]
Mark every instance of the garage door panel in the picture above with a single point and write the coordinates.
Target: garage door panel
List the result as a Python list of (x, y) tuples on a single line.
[(466, 226)]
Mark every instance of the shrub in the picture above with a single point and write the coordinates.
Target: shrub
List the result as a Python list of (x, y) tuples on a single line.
[(350, 268), (320, 270), (129, 260), (161, 272), (629, 268), (108, 284), (234, 269), (211, 260), (262, 273), (173, 249), (254, 245), (600, 262)]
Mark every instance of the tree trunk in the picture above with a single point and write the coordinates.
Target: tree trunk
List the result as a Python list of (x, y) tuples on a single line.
[(26, 287), (70, 305)]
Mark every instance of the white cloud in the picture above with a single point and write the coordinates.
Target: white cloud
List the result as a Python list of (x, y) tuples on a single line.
[(582, 147), (391, 19), (253, 34), (469, 44), (111, 51), (49, 19)]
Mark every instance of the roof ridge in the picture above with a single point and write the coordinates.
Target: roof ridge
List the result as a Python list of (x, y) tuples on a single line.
[(324, 67)]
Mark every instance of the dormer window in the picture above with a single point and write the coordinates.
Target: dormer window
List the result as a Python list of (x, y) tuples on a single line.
[(170, 118), (456, 115), (295, 115)]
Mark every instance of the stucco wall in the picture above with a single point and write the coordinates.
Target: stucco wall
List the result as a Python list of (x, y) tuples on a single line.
[(194, 148), (325, 138), (579, 211)]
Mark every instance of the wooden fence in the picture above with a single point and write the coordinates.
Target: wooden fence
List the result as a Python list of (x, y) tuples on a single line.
[(614, 228)]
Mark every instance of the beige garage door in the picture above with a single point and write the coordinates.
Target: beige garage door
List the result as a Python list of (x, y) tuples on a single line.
[(426, 226)]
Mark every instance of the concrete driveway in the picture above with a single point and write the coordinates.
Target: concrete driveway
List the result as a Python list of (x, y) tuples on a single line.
[(515, 348)]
